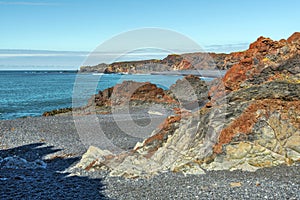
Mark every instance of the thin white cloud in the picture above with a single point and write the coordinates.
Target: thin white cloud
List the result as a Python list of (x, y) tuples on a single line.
[(226, 48), (6, 53), (43, 53), (27, 3), (80, 54), (38, 55)]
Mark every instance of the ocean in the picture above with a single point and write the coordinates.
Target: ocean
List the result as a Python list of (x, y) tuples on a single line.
[(31, 93)]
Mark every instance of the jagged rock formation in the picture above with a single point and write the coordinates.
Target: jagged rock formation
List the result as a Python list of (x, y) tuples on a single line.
[(263, 57), (250, 121)]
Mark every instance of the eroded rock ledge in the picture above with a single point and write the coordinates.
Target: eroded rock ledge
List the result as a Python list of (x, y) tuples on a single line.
[(252, 120)]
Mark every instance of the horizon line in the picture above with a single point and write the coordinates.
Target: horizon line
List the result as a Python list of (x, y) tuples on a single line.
[(207, 48)]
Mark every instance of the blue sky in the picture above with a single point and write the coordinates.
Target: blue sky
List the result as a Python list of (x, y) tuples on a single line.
[(82, 25)]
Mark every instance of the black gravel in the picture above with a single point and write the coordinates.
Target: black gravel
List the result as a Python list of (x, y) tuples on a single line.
[(274, 183), (56, 141)]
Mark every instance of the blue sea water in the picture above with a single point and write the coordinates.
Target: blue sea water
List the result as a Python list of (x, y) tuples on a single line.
[(31, 93)]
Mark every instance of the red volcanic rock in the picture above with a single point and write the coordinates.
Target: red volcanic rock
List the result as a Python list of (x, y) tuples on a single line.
[(262, 53), (294, 38), (235, 76), (131, 91), (262, 45)]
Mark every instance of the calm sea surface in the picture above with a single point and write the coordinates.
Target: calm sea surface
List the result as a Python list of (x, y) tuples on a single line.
[(30, 93)]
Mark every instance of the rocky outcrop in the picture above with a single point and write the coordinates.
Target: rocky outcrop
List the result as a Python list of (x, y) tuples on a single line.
[(57, 111), (250, 121), (190, 92), (265, 54), (130, 91)]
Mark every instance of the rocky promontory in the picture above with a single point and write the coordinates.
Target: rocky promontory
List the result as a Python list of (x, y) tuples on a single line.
[(173, 62), (247, 120), (264, 49)]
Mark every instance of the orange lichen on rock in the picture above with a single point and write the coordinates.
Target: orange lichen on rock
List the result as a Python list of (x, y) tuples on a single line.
[(244, 123), (262, 53), (150, 92), (165, 129)]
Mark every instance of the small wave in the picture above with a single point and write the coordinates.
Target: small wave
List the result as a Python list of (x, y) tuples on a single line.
[(142, 74), (98, 74), (206, 78)]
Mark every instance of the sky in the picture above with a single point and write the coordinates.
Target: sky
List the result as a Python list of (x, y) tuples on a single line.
[(76, 27)]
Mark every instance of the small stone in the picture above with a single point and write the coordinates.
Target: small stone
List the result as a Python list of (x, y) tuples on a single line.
[(235, 184), (19, 178)]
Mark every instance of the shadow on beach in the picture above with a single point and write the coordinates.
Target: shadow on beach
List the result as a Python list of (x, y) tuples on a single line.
[(49, 183)]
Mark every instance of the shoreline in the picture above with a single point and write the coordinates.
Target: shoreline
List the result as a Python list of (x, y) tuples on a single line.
[(200, 73), (208, 73), (54, 139)]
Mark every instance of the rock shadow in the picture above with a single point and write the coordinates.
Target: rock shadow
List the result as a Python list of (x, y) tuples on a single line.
[(49, 183)]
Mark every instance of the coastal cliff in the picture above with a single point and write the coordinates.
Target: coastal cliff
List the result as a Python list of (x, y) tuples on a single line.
[(173, 62), (201, 61), (249, 119)]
